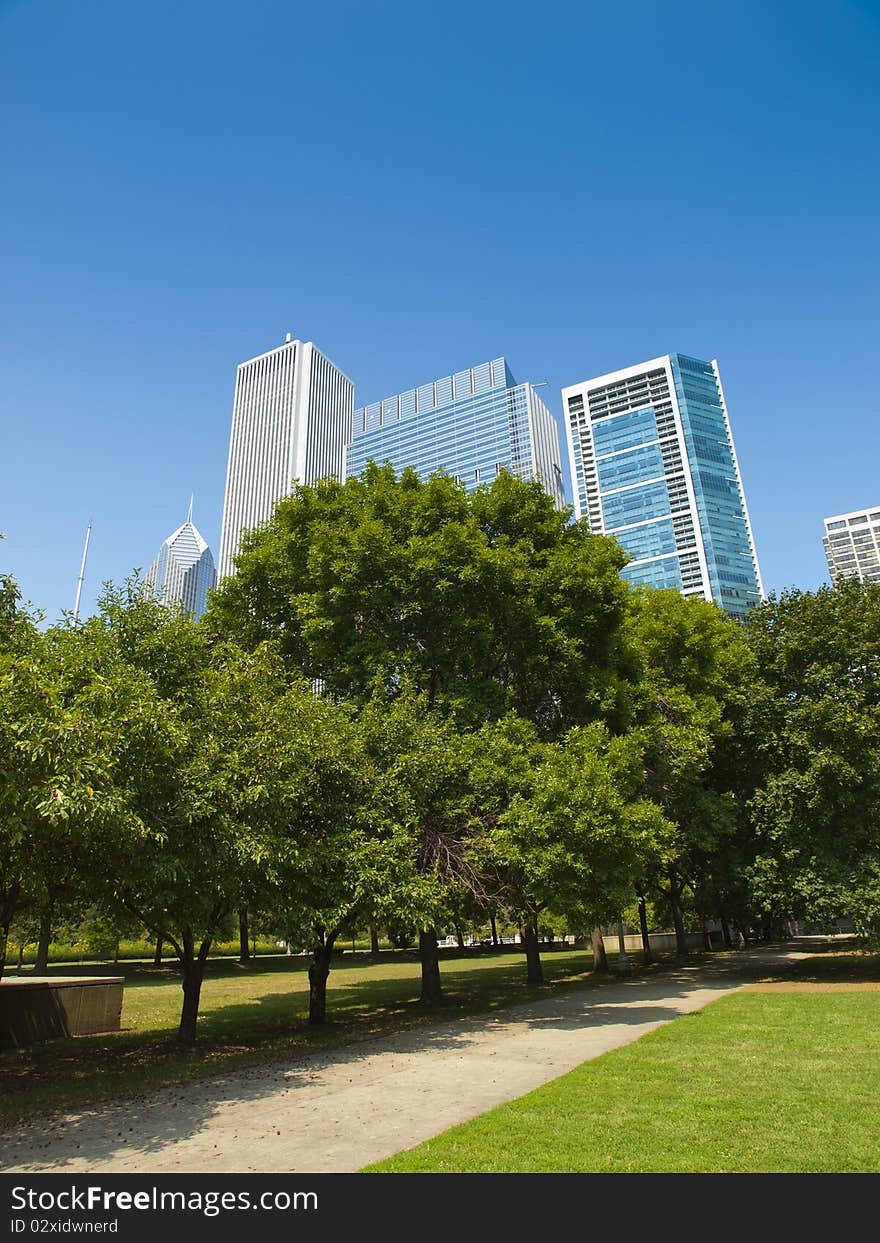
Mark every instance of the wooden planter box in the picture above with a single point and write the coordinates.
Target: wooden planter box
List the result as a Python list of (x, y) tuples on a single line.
[(46, 1007)]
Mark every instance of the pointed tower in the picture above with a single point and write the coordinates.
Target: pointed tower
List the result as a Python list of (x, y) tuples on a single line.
[(183, 572)]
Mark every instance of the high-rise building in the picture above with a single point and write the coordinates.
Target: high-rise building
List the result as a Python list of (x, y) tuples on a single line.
[(183, 572), (291, 421), (653, 464), (471, 424), (852, 545)]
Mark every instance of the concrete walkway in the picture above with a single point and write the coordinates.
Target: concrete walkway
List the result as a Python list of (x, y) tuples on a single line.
[(341, 1110)]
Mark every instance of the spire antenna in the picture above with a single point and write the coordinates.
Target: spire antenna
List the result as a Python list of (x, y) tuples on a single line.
[(82, 573), (189, 516)]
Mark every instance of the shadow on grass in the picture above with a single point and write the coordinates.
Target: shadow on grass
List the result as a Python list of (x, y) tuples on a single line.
[(140, 1128), (273, 1027)]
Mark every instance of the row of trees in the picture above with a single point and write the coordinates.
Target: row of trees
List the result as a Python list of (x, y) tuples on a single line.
[(412, 705)]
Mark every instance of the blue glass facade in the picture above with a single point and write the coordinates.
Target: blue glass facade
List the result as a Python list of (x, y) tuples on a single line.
[(653, 464), (730, 558), (471, 424)]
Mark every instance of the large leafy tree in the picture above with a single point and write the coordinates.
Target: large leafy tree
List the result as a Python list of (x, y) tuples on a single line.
[(565, 826), (696, 679), (418, 868), (481, 603), (68, 719), (246, 797), (817, 811)]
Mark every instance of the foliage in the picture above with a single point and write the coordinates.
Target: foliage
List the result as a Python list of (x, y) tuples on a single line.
[(572, 828), (484, 603), (69, 721), (817, 811), (696, 679)]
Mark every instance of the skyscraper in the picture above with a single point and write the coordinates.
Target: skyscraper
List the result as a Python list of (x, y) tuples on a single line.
[(852, 545), (183, 572), (471, 424), (291, 421), (653, 464)]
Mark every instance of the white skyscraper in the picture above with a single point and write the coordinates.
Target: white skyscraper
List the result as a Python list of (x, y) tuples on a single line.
[(852, 545), (183, 572), (291, 421)]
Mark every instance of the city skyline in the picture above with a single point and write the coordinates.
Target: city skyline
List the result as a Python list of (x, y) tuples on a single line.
[(572, 221), (273, 414)]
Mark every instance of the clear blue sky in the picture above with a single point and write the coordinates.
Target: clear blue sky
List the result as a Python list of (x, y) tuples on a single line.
[(418, 187)]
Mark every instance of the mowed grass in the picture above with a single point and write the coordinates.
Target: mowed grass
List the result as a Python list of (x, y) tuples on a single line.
[(254, 1014), (756, 1082)]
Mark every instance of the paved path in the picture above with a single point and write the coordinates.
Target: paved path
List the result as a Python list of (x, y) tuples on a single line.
[(341, 1110)]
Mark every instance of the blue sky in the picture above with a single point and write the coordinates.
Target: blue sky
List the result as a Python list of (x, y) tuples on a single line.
[(418, 187)]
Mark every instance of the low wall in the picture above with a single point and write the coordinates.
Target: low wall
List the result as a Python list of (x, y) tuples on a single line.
[(46, 1007), (660, 941)]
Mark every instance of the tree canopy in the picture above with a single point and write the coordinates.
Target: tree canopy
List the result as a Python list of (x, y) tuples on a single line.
[(486, 602), (816, 812)]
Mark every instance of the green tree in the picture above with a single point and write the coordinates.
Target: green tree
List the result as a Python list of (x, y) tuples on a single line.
[(239, 800), (689, 705), (418, 869), (64, 729), (482, 603), (817, 811), (569, 830)]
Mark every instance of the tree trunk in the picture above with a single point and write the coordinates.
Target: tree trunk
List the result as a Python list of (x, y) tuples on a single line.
[(157, 956), (244, 953), (4, 942), (459, 936), (534, 970), (374, 938), (647, 956), (675, 892), (725, 929), (319, 970), (193, 967), (432, 989), (623, 967), (21, 949), (494, 929), (600, 959), (41, 962), (704, 929), (116, 950)]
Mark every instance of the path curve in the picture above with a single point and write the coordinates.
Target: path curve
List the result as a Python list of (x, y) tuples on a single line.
[(341, 1110)]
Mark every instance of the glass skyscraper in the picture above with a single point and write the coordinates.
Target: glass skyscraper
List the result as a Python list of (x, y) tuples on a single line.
[(183, 572), (471, 424), (653, 463), (852, 545)]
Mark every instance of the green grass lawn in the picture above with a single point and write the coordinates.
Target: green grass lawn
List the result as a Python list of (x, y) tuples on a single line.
[(254, 1014), (760, 1082)]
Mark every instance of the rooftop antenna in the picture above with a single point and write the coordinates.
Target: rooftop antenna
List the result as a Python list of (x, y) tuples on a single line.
[(189, 516), (82, 573)]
